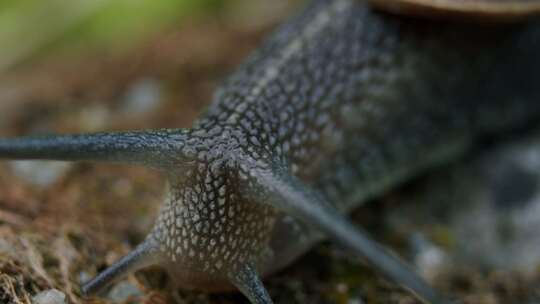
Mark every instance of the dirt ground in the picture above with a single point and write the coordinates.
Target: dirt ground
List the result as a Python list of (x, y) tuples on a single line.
[(57, 232)]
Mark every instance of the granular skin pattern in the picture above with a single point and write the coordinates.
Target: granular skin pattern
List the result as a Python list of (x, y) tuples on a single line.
[(351, 102), (337, 106)]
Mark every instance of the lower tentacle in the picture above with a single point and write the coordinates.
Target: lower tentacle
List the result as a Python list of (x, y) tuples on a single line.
[(247, 280), (142, 256)]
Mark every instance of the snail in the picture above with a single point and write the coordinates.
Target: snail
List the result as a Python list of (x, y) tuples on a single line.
[(340, 104)]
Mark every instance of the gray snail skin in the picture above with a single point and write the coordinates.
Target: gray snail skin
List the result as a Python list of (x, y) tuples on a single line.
[(341, 103)]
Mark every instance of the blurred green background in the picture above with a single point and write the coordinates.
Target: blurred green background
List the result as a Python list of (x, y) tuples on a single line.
[(28, 27)]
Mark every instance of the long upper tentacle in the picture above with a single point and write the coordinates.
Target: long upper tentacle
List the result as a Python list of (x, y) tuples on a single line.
[(155, 148), (292, 196)]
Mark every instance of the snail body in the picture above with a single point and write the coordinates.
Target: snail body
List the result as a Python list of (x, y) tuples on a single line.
[(340, 104)]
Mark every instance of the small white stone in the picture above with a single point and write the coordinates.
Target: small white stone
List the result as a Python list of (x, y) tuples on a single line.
[(84, 277), (50, 296), (429, 259), (40, 173), (123, 290), (7, 248), (143, 96), (355, 301)]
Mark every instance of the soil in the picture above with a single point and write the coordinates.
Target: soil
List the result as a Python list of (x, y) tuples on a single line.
[(60, 234)]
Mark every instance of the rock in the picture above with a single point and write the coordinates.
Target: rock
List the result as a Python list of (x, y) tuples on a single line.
[(40, 173), (355, 301), (84, 277), (123, 291), (429, 258), (7, 248), (50, 296), (142, 96)]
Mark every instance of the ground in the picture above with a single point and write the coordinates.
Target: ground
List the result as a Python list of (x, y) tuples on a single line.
[(61, 224)]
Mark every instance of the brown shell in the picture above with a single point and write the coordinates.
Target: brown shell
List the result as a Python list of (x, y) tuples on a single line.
[(465, 9)]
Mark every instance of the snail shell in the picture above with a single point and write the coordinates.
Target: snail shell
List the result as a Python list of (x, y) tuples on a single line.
[(472, 10)]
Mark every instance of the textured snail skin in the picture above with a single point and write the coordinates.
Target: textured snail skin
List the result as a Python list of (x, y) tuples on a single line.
[(350, 101), (342, 99)]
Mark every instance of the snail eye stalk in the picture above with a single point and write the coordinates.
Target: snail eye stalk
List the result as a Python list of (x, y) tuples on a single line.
[(154, 148), (287, 193)]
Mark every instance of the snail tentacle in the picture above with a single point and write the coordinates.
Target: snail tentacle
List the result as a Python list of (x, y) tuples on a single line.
[(144, 255), (287, 193), (247, 280), (151, 148)]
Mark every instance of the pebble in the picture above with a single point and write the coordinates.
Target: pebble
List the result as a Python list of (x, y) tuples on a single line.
[(143, 96), (84, 277), (355, 301), (123, 291), (429, 258), (50, 296), (40, 173), (7, 248)]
